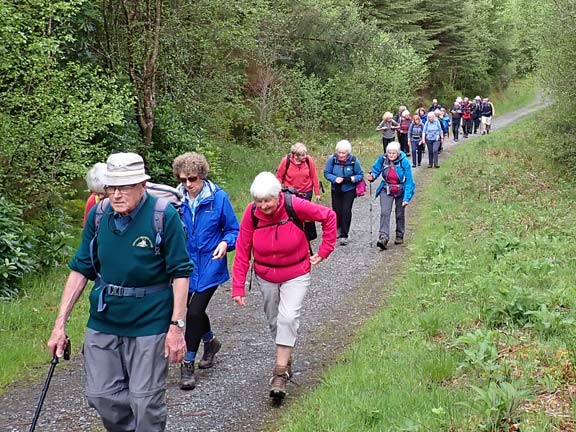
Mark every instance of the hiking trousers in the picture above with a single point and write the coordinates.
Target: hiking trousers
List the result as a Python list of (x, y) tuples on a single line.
[(197, 320), (342, 205), (385, 142), (386, 204), (126, 380), (455, 128), (417, 151), (433, 147), (282, 306)]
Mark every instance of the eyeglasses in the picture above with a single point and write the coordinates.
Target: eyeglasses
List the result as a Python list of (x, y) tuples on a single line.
[(185, 180), (111, 190)]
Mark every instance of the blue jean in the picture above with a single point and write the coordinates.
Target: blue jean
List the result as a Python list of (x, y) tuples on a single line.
[(416, 152), (433, 147)]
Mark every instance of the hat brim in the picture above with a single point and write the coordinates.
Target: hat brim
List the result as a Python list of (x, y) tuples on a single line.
[(126, 181)]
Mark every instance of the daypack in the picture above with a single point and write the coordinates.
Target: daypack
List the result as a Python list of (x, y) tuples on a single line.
[(166, 195), (292, 217), (395, 190)]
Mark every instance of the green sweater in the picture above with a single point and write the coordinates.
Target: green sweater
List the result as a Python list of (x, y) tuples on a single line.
[(127, 258)]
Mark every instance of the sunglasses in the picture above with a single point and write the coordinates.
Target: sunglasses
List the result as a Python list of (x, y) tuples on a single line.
[(185, 180)]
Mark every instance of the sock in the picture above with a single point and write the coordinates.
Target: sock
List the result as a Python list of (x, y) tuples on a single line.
[(190, 356), (208, 336)]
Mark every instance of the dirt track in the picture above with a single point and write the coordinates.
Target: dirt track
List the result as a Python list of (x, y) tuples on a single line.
[(346, 290)]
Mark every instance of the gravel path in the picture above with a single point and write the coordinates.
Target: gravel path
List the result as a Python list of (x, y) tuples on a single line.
[(346, 290)]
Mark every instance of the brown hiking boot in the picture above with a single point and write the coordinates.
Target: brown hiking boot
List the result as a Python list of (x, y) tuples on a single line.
[(187, 377), (278, 382), (210, 350)]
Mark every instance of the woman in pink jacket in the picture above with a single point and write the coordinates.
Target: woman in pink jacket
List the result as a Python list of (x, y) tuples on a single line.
[(282, 263)]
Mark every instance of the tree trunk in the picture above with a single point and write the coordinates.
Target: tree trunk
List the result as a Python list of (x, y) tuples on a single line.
[(143, 23)]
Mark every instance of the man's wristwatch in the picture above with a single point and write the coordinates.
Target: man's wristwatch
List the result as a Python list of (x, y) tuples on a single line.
[(178, 323)]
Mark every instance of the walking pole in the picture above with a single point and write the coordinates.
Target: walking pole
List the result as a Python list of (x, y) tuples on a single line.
[(53, 364), (370, 213)]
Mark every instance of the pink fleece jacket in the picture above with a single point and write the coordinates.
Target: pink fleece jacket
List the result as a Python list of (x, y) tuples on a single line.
[(280, 250)]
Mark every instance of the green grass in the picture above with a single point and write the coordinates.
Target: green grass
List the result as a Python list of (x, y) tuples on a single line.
[(518, 94), (494, 243), (26, 322)]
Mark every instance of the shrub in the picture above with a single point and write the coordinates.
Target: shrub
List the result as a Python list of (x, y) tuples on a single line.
[(15, 250)]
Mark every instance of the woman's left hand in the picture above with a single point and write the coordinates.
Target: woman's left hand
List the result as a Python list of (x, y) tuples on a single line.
[(404, 203), (220, 251), (316, 259)]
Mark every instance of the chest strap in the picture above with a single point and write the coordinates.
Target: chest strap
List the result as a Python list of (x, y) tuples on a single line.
[(122, 291)]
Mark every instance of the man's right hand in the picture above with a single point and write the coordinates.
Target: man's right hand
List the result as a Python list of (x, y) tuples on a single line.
[(57, 342)]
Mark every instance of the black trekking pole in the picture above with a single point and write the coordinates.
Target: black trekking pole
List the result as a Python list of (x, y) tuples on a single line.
[(370, 213), (53, 364)]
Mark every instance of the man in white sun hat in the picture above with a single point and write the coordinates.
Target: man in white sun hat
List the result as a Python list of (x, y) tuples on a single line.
[(137, 304)]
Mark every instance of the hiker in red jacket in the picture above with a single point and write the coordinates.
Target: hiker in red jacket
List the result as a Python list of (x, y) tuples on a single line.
[(282, 263), (297, 170), (466, 117)]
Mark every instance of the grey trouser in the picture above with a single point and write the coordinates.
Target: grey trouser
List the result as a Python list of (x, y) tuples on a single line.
[(386, 202), (126, 380), (282, 305)]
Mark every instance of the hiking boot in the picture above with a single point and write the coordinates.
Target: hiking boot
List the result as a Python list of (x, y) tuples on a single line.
[(278, 382), (210, 350), (399, 241), (344, 241), (382, 242), (187, 377)]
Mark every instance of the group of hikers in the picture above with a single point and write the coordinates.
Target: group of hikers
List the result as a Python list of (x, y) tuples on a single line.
[(156, 266), (427, 128)]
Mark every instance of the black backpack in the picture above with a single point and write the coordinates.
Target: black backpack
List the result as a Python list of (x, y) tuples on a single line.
[(292, 217)]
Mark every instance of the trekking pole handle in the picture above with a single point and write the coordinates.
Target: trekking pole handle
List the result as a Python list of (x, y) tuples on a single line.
[(65, 354)]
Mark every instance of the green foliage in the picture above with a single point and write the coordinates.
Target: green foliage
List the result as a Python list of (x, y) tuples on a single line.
[(480, 351), (497, 407), (15, 260), (25, 248), (509, 306), (549, 322)]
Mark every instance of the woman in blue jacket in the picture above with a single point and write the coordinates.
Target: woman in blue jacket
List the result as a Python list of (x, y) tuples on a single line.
[(396, 189), (343, 171), (211, 231), (433, 137)]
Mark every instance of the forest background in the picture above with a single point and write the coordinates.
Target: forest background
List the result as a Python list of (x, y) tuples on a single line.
[(80, 79)]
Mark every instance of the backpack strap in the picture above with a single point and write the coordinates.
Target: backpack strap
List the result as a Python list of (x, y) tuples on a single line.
[(290, 210), (158, 222), (292, 217), (101, 208), (286, 168)]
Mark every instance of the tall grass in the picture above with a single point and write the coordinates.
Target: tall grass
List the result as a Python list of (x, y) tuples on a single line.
[(479, 332), (518, 94)]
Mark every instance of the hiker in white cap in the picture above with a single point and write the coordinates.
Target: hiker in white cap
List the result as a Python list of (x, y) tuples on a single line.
[(140, 270)]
